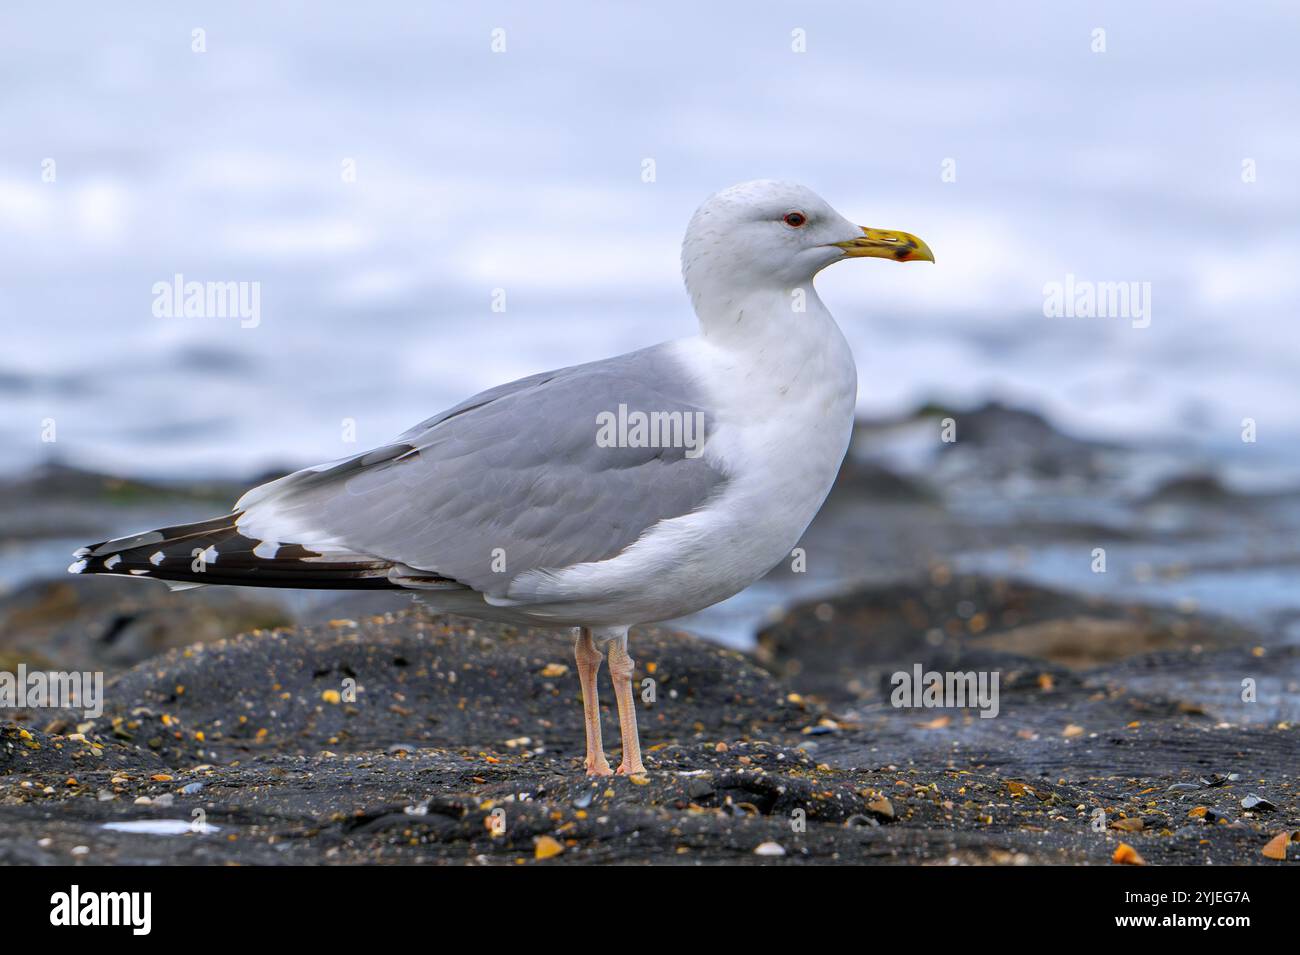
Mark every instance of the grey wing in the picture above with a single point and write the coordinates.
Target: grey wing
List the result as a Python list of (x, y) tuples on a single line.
[(509, 481)]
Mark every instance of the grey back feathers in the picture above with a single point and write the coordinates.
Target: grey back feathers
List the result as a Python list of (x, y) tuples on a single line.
[(509, 481)]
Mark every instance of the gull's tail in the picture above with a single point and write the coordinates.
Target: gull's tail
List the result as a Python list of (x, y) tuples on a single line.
[(216, 552)]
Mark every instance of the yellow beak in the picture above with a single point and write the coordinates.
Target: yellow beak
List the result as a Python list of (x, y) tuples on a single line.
[(885, 244)]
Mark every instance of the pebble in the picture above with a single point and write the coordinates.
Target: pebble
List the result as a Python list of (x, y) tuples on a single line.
[(1218, 779), (1125, 854), (858, 820), (882, 807), (547, 847), (1276, 847), (769, 849), (699, 788)]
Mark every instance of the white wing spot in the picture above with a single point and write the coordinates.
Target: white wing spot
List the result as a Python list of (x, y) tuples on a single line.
[(112, 561), (266, 549), (77, 567), (157, 557), (210, 555)]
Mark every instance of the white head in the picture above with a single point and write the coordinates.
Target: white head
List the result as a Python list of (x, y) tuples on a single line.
[(775, 235)]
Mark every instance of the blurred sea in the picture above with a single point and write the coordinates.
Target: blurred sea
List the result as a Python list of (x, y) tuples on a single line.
[(522, 171)]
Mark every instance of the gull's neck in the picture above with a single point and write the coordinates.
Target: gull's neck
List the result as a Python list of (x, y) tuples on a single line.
[(781, 384), (766, 360), (768, 325)]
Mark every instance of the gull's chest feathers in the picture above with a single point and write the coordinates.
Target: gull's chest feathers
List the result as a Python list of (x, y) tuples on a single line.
[(778, 420), (783, 415)]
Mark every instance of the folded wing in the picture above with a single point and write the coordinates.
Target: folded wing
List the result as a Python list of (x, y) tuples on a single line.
[(512, 480)]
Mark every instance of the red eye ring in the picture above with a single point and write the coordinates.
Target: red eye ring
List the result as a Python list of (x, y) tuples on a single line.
[(794, 219)]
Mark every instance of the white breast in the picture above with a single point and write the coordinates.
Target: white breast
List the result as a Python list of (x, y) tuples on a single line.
[(780, 417)]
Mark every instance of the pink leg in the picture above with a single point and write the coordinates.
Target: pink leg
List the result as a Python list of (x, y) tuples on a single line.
[(620, 668), (588, 658)]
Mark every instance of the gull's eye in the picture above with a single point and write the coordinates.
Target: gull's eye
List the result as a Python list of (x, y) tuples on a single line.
[(794, 219)]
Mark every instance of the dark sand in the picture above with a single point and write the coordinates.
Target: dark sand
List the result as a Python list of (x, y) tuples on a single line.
[(458, 727)]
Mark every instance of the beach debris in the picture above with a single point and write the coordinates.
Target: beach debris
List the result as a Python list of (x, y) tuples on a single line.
[(1125, 854), (1276, 847), (547, 847)]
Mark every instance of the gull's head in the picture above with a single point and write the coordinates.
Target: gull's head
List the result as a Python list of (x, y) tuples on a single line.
[(774, 234)]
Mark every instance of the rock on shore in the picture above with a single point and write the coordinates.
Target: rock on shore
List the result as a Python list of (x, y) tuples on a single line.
[(419, 739)]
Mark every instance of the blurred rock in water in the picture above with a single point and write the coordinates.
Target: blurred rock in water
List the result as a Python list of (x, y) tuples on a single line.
[(108, 623), (840, 648)]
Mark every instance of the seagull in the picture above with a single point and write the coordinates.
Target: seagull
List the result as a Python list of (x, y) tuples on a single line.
[(596, 497)]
